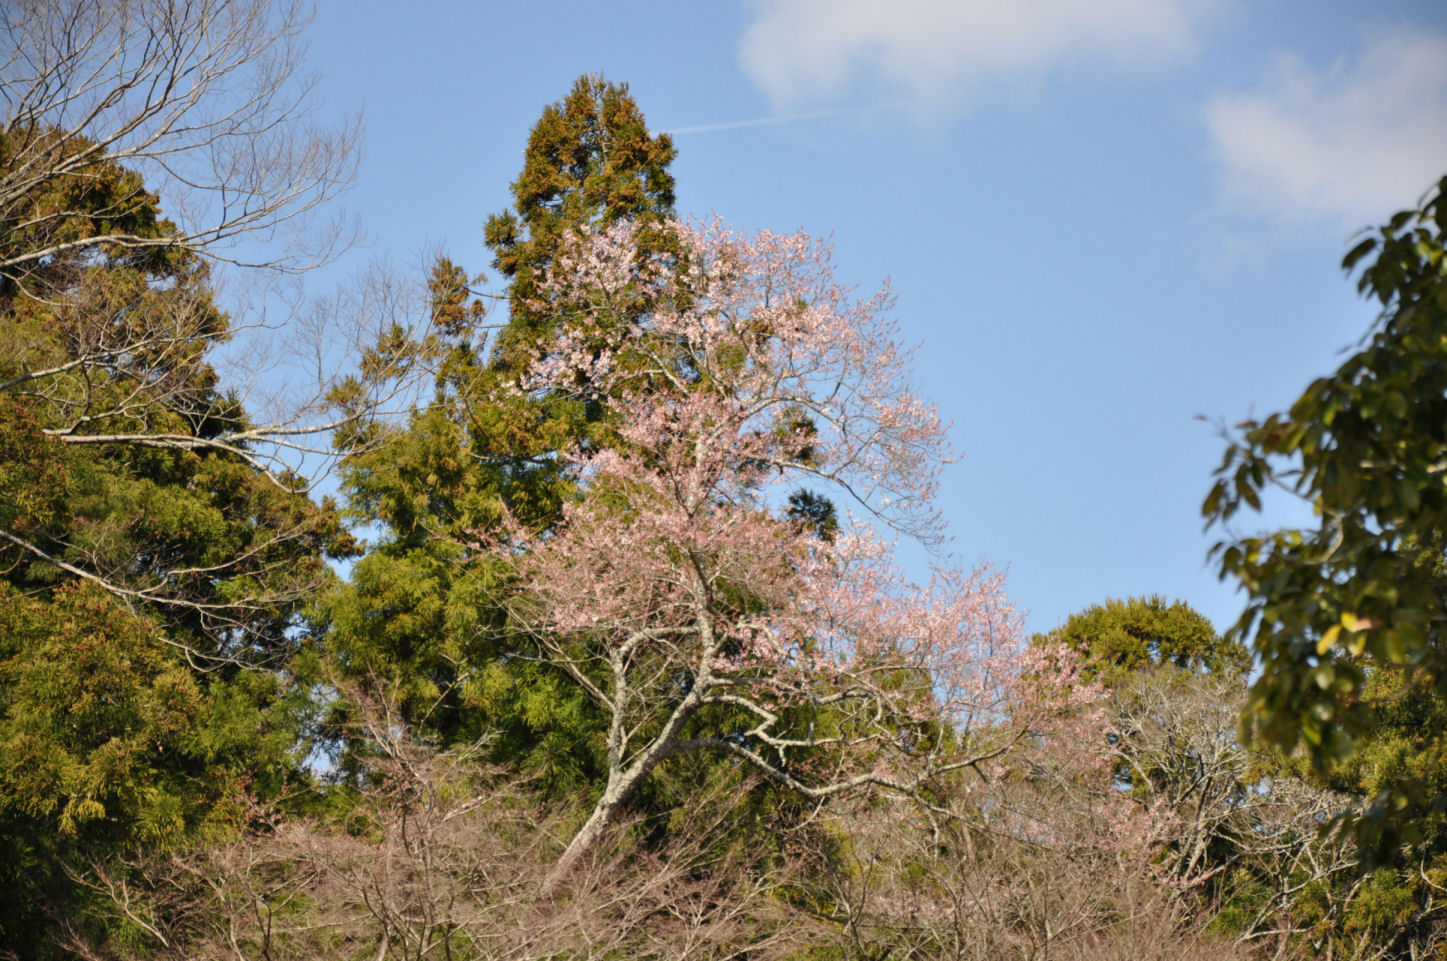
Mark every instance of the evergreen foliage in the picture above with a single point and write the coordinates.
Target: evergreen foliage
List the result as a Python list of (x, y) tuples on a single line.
[(1346, 617), (413, 615), (151, 584), (1120, 637), (156, 555), (590, 162)]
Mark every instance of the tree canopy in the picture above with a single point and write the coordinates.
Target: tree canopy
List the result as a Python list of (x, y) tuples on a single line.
[(628, 667), (590, 161), (414, 615), (694, 618), (1123, 636), (157, 549), (1361, 592)]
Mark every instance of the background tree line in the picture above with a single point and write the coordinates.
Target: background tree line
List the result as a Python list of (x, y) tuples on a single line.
[(625, 669)]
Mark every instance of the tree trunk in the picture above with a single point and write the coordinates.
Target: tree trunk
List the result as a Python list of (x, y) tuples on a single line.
[(586, 837)]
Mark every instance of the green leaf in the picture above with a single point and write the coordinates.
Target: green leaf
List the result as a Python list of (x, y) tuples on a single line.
[(1358, 252)]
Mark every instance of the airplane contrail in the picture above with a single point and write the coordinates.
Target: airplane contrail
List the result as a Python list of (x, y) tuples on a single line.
[(763, 121)]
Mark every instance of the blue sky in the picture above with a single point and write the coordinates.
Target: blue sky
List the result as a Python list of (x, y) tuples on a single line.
[(1101, 218)]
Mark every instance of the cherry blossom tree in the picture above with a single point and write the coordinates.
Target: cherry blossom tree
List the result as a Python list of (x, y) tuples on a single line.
[(684, 595)]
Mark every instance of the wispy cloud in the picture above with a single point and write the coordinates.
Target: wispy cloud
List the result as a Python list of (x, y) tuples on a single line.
[(770, 121), (935, 51), (1349, 145)]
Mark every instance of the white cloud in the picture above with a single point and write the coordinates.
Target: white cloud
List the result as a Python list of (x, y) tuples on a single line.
[(935, 51), (1350, 146)]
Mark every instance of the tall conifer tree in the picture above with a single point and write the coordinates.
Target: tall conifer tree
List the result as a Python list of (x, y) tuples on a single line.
[(590, 162), (414, 616)]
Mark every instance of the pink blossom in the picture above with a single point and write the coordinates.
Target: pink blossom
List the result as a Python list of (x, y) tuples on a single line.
[(686, 601)]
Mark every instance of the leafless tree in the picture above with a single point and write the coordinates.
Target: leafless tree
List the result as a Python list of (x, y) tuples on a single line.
[(1049, 858), (206, 99), (1240, 819), (1043, 865), (443, 857)]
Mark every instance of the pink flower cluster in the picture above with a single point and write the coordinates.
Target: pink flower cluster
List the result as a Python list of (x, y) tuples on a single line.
[(681, 593)]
